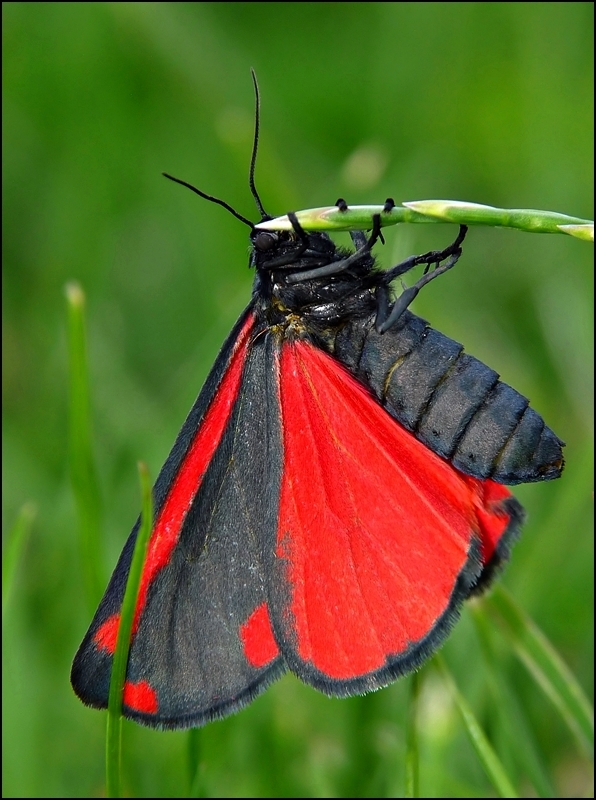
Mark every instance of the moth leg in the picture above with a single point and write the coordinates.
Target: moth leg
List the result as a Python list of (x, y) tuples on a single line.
[(358, 239), (388, 315), (337, 267)]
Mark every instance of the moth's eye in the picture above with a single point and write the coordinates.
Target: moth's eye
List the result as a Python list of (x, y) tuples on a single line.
[(265, 241)]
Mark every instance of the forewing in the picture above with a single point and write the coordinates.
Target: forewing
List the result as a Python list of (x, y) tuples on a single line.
[(378, 541), (202, 645)]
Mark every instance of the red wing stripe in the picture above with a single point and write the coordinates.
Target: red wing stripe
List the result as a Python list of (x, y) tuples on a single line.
[(168, 525), (374, 528)]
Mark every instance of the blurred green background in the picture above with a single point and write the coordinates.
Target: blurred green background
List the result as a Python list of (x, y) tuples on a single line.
[(487, 102)]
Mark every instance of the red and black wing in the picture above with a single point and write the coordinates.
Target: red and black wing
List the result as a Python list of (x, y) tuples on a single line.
[(379, 540), (203, 578), (296, 524)]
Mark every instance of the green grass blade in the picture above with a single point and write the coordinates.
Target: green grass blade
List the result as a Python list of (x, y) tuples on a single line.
[(120, 661), (412, 788), (194, 762), (524, 219), (16, 542), (331, 218), (82, 463), (518, 731), (489, 759), (584, 231), (546, 666)]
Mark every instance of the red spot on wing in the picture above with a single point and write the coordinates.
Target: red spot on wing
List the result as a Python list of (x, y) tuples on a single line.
[(107, 634), (168, 525), (256, 634), (140, 697), (373, 526), (137, 696)]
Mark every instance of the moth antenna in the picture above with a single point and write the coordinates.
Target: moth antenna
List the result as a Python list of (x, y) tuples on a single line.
[(211, 199), (255, 147)]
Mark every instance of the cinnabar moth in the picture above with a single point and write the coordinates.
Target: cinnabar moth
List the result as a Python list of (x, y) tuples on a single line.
[(335, 494)]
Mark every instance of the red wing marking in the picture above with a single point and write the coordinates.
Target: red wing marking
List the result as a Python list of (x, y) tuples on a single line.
[(140, 697), (107, 634), (257, 638), (168, 524), (374, 528), (492, 515)]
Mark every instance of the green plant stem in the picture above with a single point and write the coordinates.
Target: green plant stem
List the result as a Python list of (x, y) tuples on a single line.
[(194, 762), (412, 765), (518, 732), (489, 759), (332, 218), (15, 545), (546, 666), (82, 463), (120, 660)]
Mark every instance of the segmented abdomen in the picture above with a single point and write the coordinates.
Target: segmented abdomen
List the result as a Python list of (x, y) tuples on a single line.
[(451, 401)]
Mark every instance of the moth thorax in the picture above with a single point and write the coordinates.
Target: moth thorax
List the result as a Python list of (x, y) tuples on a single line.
[(291, 327)]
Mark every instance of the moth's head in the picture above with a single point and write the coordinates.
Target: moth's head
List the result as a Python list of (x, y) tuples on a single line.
[(288, 250)]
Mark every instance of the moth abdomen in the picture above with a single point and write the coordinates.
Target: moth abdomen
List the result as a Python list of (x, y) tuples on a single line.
[(451, 401)]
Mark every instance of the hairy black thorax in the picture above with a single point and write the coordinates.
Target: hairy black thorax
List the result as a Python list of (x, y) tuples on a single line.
[(280, 260)]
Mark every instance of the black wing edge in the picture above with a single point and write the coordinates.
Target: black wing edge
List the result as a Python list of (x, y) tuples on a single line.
[(273, 673), (500, 556)]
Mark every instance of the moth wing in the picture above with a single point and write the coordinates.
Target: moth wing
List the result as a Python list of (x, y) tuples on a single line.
[(379, 540), (194, 656)]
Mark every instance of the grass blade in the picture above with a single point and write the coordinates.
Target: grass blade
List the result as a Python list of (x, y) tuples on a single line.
[(489, 759), (194, 762), (530, 220), (333, 218), (546, 666), (15, 546), (120, 661), (412, 788), (518, 732), (82, 463)]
